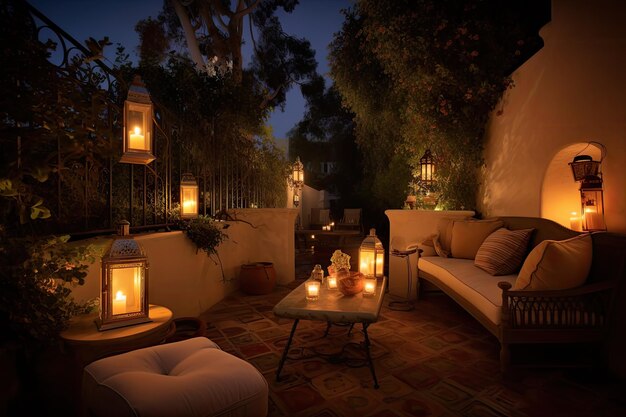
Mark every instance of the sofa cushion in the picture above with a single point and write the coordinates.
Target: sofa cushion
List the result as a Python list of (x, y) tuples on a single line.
[(427, 246), (473, 284), (503, 251), (444, 232), (468, 235), (556, 265), (439, 250)]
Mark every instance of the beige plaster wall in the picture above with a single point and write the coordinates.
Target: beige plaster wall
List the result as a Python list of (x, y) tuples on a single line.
[(190, 283), (572, 91)]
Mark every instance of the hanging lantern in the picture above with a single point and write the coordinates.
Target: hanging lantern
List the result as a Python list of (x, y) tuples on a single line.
[(584, 166), (188, 197), (137, 125), (297, 175), (592, 204), (427, 171), (371, 256), (123, 283)]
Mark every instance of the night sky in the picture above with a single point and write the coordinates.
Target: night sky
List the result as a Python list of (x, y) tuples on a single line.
[(315, 20)]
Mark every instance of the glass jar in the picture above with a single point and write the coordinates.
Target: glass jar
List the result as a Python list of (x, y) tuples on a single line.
[(318, 274)]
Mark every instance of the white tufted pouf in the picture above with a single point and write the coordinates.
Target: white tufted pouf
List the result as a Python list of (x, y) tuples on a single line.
[(189, 378)]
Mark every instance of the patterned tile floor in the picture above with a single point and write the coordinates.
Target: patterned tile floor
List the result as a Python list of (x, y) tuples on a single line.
[(433, 361)]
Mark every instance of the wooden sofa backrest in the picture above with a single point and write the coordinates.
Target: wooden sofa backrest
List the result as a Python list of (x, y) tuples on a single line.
[(544, 229)]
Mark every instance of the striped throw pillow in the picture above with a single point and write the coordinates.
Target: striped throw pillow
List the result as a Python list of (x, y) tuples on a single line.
[(503, 251)]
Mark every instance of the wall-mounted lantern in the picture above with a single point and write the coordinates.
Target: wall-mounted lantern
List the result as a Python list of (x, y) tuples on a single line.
[(123, 283), (371, 256), (427, 182), (588, 172), (296, 197), (188, 197), (297, 175), (138, 125)]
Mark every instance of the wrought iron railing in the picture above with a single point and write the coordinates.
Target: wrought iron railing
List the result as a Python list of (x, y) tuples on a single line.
[(91, 193)]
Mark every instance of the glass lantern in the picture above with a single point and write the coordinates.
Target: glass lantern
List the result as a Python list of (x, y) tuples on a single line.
[(297, 176), (123, 284), (371, 256), (592, 204), (188, 197), (138, 125)]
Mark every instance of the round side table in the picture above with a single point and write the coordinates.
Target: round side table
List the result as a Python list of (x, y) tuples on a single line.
[(86, 343)]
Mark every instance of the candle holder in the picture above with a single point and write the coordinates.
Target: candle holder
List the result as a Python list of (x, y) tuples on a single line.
[(312, 290), (369, 287), (331, 282)]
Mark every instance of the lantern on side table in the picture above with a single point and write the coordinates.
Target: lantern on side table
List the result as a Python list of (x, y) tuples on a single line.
[(123, 283), (371, 256)]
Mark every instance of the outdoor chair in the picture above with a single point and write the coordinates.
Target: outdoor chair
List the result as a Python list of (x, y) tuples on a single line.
[(319, 217), (351, 219)]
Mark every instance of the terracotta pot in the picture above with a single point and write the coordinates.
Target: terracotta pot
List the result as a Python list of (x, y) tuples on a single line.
[(257, 278)]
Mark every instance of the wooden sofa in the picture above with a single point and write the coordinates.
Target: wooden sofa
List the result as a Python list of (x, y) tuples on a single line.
[(578, 315)]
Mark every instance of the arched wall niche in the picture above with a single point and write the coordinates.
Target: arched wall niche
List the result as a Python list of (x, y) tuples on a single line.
[(560, 196)]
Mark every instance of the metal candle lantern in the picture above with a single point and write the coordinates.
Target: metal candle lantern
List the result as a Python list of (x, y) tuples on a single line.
[(371, 256), (138, 125), (123, 284), (188, 197)]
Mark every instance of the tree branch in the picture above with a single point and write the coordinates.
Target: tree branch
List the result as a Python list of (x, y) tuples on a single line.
[(190, 34)]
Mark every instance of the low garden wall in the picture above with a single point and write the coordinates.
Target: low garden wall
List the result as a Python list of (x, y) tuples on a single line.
[(189, 283)]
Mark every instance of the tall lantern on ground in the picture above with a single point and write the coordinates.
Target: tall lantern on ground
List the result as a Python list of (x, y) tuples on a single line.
[(588, 172), (188, 197), (371, 256), (592, 204), (138, 125), (123, 283)]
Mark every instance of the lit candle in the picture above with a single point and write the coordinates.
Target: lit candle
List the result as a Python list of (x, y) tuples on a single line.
[(575, 222), (136, 139), (312, 289), (119, 303), (331, 282), (369, 287)]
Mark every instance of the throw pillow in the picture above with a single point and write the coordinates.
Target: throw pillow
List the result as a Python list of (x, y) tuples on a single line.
[(444, 231), (503, 251), (556, 265), (468, 235), (439, 249), (427, 246)]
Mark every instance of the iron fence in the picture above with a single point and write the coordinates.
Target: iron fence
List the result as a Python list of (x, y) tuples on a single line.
[(91, 193)]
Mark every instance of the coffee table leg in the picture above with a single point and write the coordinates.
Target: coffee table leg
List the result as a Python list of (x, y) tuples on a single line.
[(284, 357), (369, 357)]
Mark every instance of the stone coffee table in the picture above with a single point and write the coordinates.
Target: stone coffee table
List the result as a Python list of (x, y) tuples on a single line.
[(332, 307)]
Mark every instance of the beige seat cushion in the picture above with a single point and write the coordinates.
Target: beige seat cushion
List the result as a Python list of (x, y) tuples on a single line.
[(472, 284), (503, 251), (556, 265), (468, 235), (189, 378)]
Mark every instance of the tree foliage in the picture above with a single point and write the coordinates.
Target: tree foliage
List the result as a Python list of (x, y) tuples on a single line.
[(326, 133), (424, 74)]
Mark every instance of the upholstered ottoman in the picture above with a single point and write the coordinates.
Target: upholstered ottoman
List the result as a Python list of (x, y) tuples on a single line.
[(189, 378)]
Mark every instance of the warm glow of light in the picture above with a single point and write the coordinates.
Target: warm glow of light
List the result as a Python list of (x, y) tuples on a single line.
[(136, 139), (119, 303), (575, 222), (312, 290), (331, 283), (369, 287)]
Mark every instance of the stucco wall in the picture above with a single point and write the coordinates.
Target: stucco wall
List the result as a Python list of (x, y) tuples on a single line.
[(190, 283), (571, 91)]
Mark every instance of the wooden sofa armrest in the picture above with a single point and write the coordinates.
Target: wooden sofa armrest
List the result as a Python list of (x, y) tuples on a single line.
[(586, 306)]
